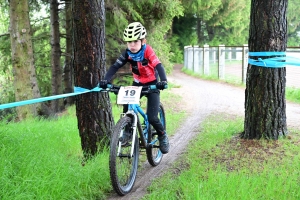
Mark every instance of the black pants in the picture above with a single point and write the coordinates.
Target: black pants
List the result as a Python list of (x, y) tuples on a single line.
[(153, 102)]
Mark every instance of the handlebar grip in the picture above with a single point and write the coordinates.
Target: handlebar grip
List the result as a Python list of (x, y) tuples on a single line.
[(109, 85), (153, 87)]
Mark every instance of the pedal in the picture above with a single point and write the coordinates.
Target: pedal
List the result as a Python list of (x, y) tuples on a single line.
[(124, 156), (124, 144)]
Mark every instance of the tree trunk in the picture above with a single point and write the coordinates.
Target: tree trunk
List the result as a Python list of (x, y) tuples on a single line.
[(211, 32), (25, 82), (199, 30), (67, 75), (265, 106), (56, 105), (93, 109)]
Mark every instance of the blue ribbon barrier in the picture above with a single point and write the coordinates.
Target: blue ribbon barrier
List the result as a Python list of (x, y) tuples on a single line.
[(77, 91), (267, 53), (273, 62)]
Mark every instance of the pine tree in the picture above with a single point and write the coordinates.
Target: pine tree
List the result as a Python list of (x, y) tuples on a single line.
[(265, 106)]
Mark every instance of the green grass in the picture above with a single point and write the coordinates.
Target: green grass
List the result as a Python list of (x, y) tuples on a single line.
[(293, 94), (220, 165), (42, 159)]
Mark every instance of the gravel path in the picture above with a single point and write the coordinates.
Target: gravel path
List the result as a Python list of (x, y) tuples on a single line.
[(200, 98)]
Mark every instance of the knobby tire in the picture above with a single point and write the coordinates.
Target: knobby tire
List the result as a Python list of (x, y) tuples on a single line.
[(123, 169)]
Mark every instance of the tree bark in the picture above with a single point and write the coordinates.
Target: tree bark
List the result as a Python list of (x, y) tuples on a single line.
[(56, 105), (199, 29), (25, 82), (93, 109), (265, 105), (68, 72)]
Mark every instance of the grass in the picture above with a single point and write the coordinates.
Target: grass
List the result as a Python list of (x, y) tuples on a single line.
[(220, 165), (42, 159), (293, 94)]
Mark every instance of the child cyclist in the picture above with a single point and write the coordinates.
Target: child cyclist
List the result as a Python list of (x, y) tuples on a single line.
[(146, 68)]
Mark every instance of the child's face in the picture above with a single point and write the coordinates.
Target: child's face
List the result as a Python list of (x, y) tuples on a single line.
[(134, 46)]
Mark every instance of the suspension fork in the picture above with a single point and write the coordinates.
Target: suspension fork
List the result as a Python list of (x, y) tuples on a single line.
[(137, 128), (135, 124)]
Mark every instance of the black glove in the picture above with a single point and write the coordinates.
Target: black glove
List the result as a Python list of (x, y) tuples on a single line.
[(103, 84), (162, 85)]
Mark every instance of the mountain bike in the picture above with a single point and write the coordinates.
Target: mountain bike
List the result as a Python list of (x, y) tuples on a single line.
[(124, 156)]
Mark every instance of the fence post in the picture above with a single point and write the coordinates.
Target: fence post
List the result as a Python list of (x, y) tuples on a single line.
[(185, 56), (190, 58), (221, 64), (245, 62), (196, 59), (214, 54), (229, 50), (206, 59)]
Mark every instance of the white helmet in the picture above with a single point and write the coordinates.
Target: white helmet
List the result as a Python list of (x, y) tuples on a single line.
[(134, 31)]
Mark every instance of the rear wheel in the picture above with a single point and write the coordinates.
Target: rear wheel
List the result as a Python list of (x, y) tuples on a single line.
[(123, 166), (154, 155)]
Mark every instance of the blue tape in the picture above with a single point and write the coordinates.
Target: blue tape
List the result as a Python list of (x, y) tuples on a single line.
[(292, 61), (267, 53), (274, 62), (77, 91)]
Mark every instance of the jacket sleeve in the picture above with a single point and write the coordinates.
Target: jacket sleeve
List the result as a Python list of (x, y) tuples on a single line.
[(161, 72), (120, 62)]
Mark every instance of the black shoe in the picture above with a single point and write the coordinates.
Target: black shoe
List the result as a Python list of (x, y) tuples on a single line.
[(163, 143)]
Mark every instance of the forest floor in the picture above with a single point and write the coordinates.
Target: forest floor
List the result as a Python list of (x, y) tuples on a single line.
[(200, 98)]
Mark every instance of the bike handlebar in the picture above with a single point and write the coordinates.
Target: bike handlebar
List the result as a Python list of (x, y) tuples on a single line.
[(145, 89)]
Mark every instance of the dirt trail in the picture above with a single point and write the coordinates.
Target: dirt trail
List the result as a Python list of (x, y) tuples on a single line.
[(200, 98)]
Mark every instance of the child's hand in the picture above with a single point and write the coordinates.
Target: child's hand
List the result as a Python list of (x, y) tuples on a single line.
[(162, 85), (103, 84)]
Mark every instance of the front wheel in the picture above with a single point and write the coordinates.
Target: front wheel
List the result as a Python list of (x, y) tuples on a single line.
[(123, 166), (154, 155)]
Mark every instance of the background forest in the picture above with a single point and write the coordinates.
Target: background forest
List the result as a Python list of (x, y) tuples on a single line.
[(171, 25)]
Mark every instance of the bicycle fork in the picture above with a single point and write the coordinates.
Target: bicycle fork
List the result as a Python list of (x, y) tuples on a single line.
[(136, 127), (134, 132)]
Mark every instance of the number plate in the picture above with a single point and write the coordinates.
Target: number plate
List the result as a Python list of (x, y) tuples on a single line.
[(129, 95)]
